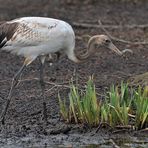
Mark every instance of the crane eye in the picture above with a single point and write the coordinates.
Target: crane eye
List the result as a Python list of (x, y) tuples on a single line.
[(107, 41)]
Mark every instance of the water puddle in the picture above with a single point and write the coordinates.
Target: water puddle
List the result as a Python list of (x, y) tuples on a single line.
[(76, 141)]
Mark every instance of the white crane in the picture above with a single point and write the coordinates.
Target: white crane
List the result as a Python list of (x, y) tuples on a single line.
[(33, 37)]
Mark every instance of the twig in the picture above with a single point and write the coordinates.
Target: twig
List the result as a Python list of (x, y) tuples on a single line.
[(125, 127), (143, 130), (51, 88), (119, 40), (58, 85), (120, 130), (47, 82), (86, 25), (114, 144), (100, 125)]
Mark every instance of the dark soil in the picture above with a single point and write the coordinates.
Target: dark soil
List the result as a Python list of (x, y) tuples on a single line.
[(24, 126)]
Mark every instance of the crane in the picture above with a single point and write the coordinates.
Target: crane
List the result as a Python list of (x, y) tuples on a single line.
[(32, 37)]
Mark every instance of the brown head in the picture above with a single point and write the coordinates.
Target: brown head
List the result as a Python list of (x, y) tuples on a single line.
[(98, 41), (93, 45)]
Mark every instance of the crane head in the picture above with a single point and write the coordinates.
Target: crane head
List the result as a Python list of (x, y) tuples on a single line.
[(103, 41)]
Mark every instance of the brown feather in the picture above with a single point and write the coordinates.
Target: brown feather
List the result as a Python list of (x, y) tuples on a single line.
[(6, 31)]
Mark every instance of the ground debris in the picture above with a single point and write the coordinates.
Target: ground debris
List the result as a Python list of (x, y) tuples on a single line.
[(62, 130)]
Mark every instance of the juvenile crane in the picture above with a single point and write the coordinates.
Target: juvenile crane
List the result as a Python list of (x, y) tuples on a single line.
[(33, 37)]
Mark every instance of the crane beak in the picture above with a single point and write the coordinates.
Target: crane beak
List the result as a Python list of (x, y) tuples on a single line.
[(115, 49)]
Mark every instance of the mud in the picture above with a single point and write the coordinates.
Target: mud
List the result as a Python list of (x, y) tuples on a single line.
[(24, 127)]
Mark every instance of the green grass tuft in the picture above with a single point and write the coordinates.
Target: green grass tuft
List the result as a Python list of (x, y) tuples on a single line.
[(122, 105)]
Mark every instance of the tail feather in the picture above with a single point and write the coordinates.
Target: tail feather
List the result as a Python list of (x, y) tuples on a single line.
[(7, 30), (2, 34)]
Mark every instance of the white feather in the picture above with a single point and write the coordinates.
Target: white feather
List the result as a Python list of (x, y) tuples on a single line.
[(40, 36)]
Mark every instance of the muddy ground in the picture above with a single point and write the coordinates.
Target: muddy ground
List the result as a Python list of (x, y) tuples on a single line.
[(24, 126)]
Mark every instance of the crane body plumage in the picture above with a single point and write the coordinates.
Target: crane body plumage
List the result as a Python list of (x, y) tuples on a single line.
[(33, 37)]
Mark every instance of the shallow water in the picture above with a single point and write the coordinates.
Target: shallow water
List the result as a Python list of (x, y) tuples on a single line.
[(75, 141)]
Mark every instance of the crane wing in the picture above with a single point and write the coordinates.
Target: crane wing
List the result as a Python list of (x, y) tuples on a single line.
[(26, 33)]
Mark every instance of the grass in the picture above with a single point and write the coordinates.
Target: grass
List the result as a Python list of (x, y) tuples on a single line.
[(116, 107), (141, 111), (122, 105), (83, 107)]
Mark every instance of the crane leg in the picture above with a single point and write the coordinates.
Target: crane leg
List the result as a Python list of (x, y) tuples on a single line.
[(13, 85), (42, 84)]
